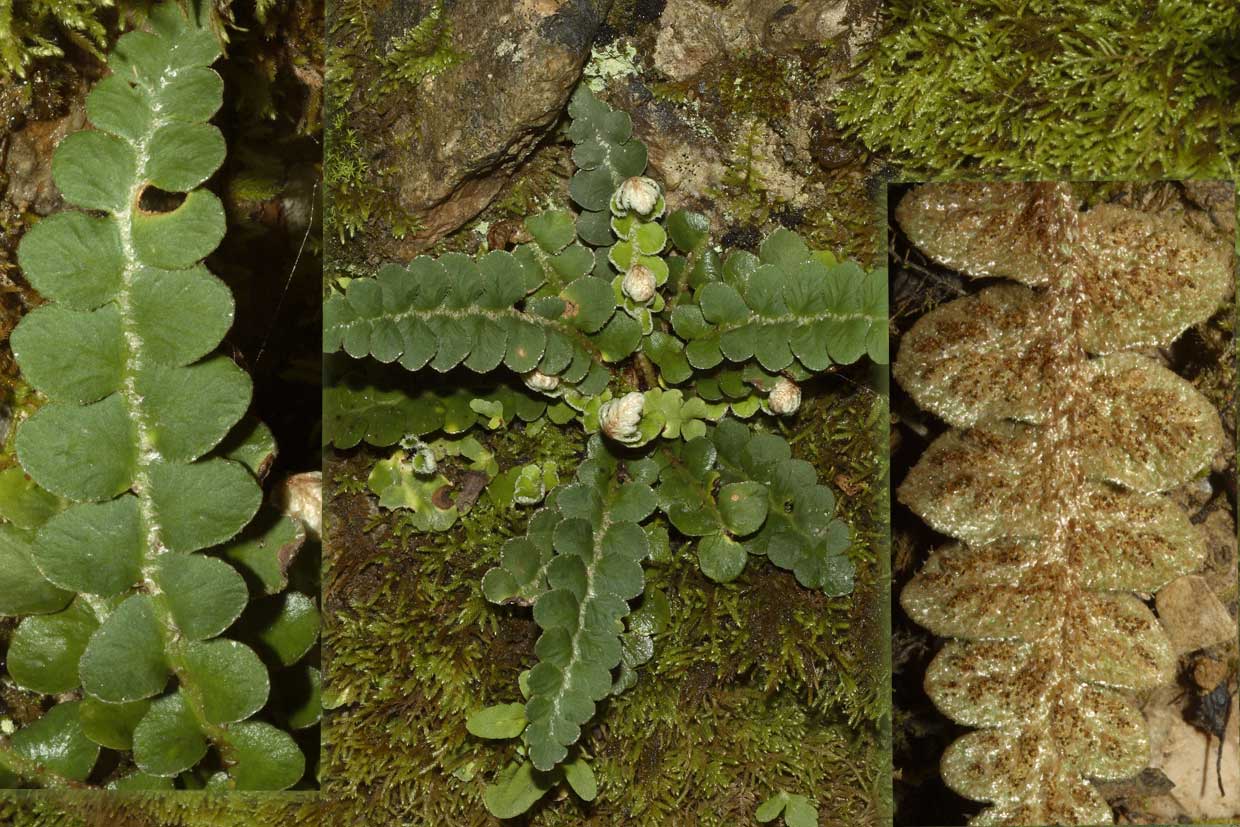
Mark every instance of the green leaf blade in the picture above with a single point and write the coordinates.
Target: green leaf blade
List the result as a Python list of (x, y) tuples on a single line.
[(167, 740), (182, 155), (179, 239), (96, 548), (44, 651), (202, 504), (81, 375), (125, 660), (267, 758), (501, 721), (56, 742), (204, 595), (23, 588), (95, 171), (233, 681), (82, 453), (517, 788)]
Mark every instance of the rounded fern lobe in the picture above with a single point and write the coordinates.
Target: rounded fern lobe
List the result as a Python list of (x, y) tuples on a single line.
[(23, 588), (179, 239), (95, 171), (184, 155), (203, 594), (44, 651), (95, 548), (192, 408), (73, 258), (202, 504), (85, 453), (266, 757), (167, 740), (56, 742), (125, 658), (83, 374), (233, 681), (112, 725), (180, 315)]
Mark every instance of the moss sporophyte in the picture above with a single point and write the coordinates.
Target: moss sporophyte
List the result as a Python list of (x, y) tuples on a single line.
[(134, 538), (676, 358), (1065, 439)]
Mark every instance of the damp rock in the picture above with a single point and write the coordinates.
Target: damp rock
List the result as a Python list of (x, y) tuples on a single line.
[(692, 33), (471, 125), (1192, 615), (27, 159), (1189, 759), (1218, 530)]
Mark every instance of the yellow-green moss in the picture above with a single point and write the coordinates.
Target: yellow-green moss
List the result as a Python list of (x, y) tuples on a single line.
[(1117, 90)]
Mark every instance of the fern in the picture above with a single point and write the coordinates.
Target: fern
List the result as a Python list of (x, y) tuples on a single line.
[(1055, 488), (132, 447), (783, 304), (621, 289), (381, 406), (449, 312), (766, 498)]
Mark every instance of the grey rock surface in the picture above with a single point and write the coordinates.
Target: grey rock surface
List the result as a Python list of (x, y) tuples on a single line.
[(474, 123)]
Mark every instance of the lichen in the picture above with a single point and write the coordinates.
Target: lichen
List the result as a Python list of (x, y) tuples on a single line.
[(609, 62)]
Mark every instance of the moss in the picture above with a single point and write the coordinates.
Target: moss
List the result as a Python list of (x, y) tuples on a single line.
[(419, 52), (71, 809), (276, 59), (1104, 90), (848, 220), (35, 29)]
